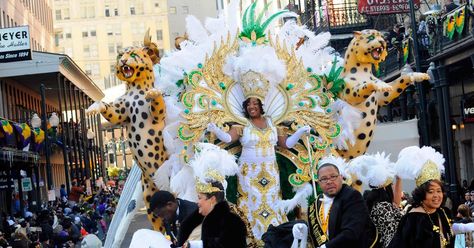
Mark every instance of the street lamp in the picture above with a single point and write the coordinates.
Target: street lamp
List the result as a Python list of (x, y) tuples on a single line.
[(35, 121), (90, 137), (430, 73), (54, 120)]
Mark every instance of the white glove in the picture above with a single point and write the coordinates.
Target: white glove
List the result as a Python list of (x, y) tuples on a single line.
[(293, 139), (223, 136), (300, 232)]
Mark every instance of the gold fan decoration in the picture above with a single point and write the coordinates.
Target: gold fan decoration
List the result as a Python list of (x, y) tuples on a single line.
[(305, 103), (206, 103), (309, 101)]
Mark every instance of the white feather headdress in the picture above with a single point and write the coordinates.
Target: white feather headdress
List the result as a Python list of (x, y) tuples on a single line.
[(375, 170), (419, 164), (212, 164)]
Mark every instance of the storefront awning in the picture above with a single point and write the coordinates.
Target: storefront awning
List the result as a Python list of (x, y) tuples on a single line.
[(44, 68)]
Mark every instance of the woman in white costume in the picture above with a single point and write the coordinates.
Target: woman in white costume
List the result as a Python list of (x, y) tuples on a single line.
[(258, 179)]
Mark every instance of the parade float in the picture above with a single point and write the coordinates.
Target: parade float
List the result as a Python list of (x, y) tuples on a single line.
[(170, 102)]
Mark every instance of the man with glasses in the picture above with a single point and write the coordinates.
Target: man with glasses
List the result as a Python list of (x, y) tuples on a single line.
[(339, 216)]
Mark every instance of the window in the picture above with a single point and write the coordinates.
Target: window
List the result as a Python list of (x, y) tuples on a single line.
[(87, 12), (172, 10), (83, 12), (90, 12), (139, 28), (116, 12), (112, 68), (117, 29), (185, 10), (58, 14), (157, 5), (68, 35), (107, 12), (85, 34), (87, 69), (95, 69), (132, 10), (66, 14), (93, 33), (159, 34), (86, 51), (119, 47), (111, 48), (110, 30), (57, 37)]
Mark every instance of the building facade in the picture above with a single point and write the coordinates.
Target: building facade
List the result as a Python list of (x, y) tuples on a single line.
[(93, 32), (35, 13), (35, 159)]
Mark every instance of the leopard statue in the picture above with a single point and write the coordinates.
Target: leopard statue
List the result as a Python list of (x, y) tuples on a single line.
[(364, 91), (142, 111)]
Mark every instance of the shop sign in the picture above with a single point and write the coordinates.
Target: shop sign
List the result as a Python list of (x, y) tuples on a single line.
[(381, 7), (468, 110), (15, 44), (26, 184)]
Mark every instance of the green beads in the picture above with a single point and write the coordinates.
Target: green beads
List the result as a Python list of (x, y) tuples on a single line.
[(289, 86), (186, 111), (199, 65), (309, 69), (222, 85), (213, 102)]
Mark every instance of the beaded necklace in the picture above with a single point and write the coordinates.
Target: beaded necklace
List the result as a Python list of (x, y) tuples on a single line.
[(443, 241)]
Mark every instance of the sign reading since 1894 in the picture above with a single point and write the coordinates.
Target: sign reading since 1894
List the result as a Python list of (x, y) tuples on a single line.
[(380, 7), (15, 44)]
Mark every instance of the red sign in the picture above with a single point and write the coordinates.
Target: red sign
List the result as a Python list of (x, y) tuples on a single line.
[(380, 7)]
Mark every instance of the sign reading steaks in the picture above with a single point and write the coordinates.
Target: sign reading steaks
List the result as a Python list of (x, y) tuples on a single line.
[(380, 7)]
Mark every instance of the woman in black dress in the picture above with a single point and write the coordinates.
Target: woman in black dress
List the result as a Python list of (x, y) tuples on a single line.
[(426, 224)]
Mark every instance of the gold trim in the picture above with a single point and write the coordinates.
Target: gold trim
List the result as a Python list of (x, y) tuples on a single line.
[(316, 230)]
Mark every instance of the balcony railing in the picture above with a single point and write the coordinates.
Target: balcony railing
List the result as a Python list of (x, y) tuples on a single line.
[(432, 41), (339, 18)]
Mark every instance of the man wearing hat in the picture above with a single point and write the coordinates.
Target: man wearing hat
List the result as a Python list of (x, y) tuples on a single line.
[(172, 210)]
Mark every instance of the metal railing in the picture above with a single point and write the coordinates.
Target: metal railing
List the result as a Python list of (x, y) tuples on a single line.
[(344, 16), (431, 42)]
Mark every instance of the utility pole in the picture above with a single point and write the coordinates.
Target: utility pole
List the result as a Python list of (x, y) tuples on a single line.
[(425, 139), (47, 148)]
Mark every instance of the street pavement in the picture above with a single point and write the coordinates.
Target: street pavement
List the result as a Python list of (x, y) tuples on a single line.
[(140, 221)]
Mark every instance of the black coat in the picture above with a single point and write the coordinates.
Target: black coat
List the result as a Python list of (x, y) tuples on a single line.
[(348, 220), (220, 228), (185, 208)]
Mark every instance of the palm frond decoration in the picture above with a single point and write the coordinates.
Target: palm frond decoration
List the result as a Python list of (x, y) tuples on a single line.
[(334, 83), (253, 30)]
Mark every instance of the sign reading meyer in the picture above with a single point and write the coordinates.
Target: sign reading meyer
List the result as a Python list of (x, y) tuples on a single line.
[(380, 7), (15, 44)]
